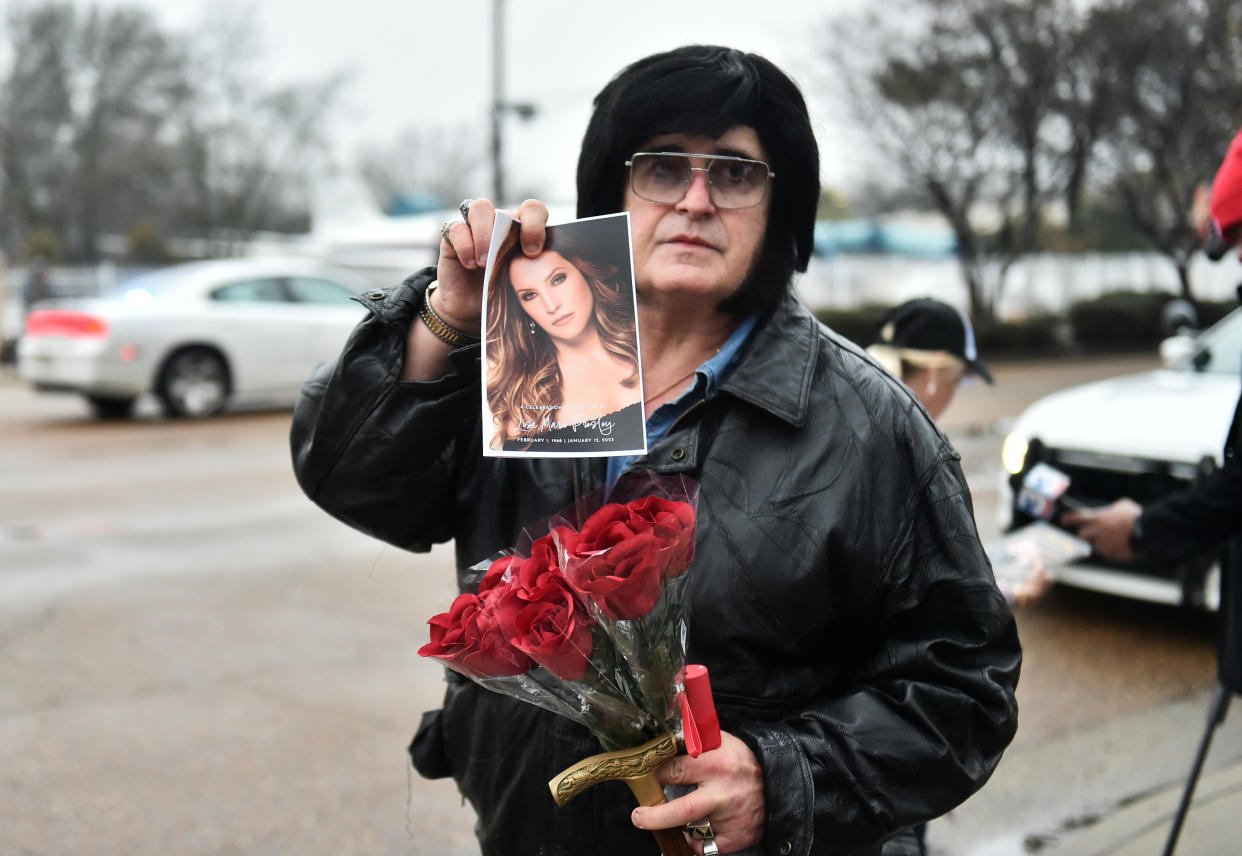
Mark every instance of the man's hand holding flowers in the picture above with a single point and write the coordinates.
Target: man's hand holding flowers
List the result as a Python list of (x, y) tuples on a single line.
[(728, 792)]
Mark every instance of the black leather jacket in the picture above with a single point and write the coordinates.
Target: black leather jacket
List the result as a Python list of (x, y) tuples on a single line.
[(1198, 518), (840, 596), (1204, 514)]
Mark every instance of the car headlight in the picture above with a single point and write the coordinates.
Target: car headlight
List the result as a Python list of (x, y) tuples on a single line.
[(1013, 453)]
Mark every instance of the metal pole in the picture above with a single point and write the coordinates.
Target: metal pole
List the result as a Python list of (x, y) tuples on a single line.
[(498, 65), (1220, 705)]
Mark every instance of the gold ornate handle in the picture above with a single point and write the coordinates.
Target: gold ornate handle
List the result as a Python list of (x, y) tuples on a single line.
[(636, 767), (623, 765)]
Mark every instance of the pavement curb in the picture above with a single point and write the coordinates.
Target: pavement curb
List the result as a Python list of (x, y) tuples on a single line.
[(1142, 827), (1109, 789)]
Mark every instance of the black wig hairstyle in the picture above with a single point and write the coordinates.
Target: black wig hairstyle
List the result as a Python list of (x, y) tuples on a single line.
[(706, 90)]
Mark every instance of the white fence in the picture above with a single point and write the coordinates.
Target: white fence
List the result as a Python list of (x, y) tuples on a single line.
[(1044, 283)]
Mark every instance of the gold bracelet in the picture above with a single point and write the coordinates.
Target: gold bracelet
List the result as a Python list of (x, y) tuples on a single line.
[(440, 328)]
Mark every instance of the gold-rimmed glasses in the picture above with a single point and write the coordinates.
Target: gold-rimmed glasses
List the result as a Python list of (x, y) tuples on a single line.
[(732, 182)]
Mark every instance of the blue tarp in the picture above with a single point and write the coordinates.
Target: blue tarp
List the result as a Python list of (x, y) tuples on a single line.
[(410, 204), (879, 238)]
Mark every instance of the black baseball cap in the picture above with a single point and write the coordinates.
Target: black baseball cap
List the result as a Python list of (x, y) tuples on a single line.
[(925, 324)]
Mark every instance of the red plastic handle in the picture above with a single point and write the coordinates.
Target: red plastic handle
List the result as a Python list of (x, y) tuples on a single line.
[(698, 712)]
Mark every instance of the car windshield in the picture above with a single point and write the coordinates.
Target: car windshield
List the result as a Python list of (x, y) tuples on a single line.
[(1218, 350)]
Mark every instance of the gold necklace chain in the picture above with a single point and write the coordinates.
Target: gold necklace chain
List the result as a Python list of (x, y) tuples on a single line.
[(681, 379)]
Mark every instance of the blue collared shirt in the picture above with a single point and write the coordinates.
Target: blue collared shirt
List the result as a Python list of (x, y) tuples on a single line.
[(707, 379)]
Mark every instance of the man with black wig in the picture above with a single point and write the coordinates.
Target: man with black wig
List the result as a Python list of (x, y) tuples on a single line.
[(863, 661)]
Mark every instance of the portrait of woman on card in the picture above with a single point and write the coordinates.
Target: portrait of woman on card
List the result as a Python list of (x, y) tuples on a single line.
[(562, 345)]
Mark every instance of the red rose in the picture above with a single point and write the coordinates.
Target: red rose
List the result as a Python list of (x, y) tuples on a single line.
[(625, 552), (543, 618), (544, 558), (496, 571), (469, 638), (673, 522)]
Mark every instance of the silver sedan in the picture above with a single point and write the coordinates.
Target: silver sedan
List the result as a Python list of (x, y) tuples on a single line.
[(198, 335)]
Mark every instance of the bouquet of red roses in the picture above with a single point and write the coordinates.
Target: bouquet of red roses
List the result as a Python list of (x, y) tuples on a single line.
[(587, 621)]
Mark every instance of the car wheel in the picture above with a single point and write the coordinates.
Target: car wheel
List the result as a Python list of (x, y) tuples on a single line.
[(194, 384), (111, 408)]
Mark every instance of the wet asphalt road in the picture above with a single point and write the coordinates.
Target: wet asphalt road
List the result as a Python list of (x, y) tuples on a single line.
[(195, 660)]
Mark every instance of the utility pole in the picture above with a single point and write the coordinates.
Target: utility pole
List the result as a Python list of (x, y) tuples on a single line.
[(524, 111), (498, 102)]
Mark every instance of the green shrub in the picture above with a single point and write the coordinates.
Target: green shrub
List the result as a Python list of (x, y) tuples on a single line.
[(1129, 319), (1119, 319), (42, 243), (145, 244), (1037, 335)]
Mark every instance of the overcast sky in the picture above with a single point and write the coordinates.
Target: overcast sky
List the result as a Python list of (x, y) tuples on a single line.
[(418, 63)]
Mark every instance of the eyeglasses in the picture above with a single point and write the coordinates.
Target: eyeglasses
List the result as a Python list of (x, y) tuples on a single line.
[(664, 177)]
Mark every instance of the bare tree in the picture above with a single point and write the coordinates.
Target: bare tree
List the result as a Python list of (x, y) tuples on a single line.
[(86, 93), (125, 79), (108, 121), (34, 107), (1014, 102), (443, 162), (1087, 99), (244, 146), (960, 94), (1177, 90)]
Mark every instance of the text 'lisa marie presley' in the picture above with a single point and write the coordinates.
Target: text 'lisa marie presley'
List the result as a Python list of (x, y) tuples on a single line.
[(603, 427)]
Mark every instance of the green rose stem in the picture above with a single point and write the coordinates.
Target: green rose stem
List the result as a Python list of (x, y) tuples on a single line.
[(653, 647), (610, 688)]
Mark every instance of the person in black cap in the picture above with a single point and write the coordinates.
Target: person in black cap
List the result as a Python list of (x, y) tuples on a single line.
[(931, 347)]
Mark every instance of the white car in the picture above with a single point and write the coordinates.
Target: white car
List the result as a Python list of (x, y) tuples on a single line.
[(1140, 436), (197, 335)]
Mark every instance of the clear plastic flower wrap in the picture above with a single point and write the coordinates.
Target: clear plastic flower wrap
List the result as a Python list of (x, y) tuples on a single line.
[(587, 621)]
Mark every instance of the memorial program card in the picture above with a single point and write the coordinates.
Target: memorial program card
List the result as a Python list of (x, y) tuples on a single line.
[(561, 372)]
